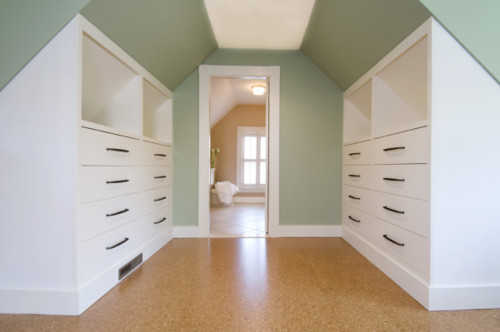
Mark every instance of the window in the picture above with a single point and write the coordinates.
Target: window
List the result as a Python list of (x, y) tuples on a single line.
[(252, 156)]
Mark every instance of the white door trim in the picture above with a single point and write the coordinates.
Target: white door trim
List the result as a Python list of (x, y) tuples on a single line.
[(206, 72)]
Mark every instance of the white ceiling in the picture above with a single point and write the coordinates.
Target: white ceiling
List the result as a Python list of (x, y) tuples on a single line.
[(226, 93), (259, 24)]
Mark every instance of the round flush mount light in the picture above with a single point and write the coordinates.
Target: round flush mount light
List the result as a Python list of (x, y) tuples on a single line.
[(258, 90)]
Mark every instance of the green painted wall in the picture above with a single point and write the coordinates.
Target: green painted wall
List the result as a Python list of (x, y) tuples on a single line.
[(346, 38), (476, 24), (168, 38), (310, 139), (26, 26)]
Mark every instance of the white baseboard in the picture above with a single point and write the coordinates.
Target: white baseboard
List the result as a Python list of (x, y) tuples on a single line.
[(464, 297), (249, 199), (308, 231), (186, 232), (45, 302)]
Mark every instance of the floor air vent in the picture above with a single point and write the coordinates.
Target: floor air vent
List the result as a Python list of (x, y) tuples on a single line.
[(125, 269)]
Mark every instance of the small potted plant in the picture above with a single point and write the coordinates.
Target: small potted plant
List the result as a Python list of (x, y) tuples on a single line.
[(213, 155)]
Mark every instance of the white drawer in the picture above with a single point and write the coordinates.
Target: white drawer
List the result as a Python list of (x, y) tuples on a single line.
[(356, 197), (411, 147), (157, 198), (157, 154), (104, 250), (105, 182), (356, 219), (405, 246), (157, 221), (405, 180), (411, 214), (100, 148), (357, 176), (358, 153), (101, 216), (156, 177)]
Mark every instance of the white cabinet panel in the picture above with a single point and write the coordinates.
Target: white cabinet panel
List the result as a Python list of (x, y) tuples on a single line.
[(358, 154), (156, 177), (157, 198), (357, 197), (157, 154), (356, 219), (100, 148), (157, 221), (405, 180), (358, 176), (106, 182), (410, 147)]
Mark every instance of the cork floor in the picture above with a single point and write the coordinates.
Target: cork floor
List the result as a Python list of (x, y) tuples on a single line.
[(257, 284), (238, 220)]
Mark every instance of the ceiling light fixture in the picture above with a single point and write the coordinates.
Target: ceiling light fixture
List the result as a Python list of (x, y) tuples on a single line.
[(258, 90)]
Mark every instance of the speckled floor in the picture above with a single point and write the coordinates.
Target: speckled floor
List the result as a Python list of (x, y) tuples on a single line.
[(257, 284), (238, 220)]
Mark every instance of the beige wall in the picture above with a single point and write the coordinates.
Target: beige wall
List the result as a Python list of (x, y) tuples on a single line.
[(224, 137)]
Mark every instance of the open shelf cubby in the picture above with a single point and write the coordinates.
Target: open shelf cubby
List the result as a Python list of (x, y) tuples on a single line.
[(358, 114), (400, 92), (157, 114), (111, 90)]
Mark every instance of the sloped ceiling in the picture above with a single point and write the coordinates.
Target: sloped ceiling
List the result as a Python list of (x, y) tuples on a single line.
[(168, 38), (345, 38)]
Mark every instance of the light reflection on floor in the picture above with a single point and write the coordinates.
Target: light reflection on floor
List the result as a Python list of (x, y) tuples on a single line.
[(239, 220)]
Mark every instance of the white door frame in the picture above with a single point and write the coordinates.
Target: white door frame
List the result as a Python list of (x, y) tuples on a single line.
[(206, 72)]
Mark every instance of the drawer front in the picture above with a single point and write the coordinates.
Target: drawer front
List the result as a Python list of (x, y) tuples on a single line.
[(401, 244), (100, 149), (105, 182), (411, 214), (406, 180), (157, 154), (356, 219), (357, 197), (357, 176), (157, 198), (358, 154), (156, 177), (157, 221), (101, 216), (411, 147), (104, 250)]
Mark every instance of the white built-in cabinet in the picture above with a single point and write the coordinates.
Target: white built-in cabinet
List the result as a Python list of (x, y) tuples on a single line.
[(86, 173), (420, 178)]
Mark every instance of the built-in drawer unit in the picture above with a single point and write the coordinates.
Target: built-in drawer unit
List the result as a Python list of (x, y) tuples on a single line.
[(356, 219), (358, 153), (356, 176), (410, 147), (409, 213), (101, 148), (409, 248), (157, 198), (356, 197), (405, 180), (157, 221), (156, 177), (104, 215), (106, 182), (103, 251), (157, 154)]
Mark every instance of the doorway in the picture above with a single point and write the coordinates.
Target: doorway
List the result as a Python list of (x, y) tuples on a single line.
[(271, 76)]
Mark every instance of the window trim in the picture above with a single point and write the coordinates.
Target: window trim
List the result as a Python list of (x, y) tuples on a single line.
[(241, 132)]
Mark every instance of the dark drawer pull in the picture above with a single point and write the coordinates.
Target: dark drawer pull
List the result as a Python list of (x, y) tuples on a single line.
[(160, 221), (160, 155), (160, 199), (392, 210), (395, 180), (354, 197), (354, 175), (117, 181), (161, 177), (391, 240), (355, 154), (118, 244), (117, 150), (116, 213), (395, 148), (355, 220)]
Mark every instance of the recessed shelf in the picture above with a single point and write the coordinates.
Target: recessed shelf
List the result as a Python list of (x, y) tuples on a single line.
[(400, 91), (111, 91), (157, 114), (358, 113)]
